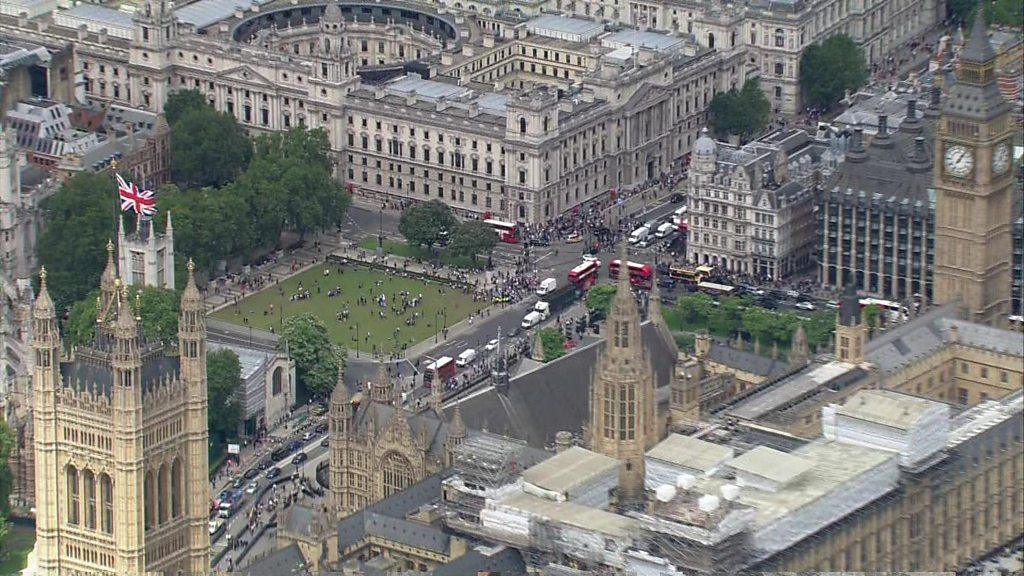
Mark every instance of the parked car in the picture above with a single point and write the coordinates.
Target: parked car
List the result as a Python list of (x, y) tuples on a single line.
[(325, 442), (279, 454), (574, 238), (491, 344), (809, 306), (675, 198), (238, 483), (251, 473), (252, 487), (590, 258), (792, 294), (265, 463), (308, 435), (300, 458), (273, 473)]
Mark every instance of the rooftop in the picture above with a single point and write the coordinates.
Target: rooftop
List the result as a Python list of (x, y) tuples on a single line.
[(555, 26), (100, 15), (771, 464), (690, 452), (794, 387), (583, 517), (426, 88), (206, 12), (642, 39), (573, 467), (892, 409)]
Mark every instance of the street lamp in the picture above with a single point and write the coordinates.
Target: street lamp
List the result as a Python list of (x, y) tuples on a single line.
[(357, 338), (380, 229)]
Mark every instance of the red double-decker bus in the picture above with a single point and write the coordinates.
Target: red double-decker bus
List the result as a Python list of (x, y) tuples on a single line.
[(585, 275), (640, 275), (507, 231)]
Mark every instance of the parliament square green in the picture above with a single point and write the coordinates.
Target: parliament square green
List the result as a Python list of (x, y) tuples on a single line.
[(441, 305)]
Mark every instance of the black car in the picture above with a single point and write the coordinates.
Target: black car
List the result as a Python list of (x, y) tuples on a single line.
[(668, 283), (300, 458), (251, 473), (273, 473), (768, 302), (542, 242), (279, 454), (265, 463), (676, 198), (513, 332), (325, 442)]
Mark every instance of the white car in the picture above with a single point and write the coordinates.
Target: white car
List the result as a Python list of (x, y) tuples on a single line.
[(792, 293), (213, 526), (252, 487), (805, 306), (590, 258), (491, 345)]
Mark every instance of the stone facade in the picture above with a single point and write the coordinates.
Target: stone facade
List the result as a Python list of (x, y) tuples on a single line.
[(146, 258), (379, 449), (974, 184), (122, 485), (751, 208)]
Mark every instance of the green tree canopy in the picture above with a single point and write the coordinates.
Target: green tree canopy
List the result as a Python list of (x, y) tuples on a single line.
[(553, 342), (181, 101), (79, 223), (159, 315), (472, 237), (208, 148), (223, 385), (742, 113), (316, 359), (829, 69), (599, 298), (999, 12), (425, 224)]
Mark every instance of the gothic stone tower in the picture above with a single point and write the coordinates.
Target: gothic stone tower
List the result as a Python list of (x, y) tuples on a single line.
[(973, 182), (146, 258), (121, 459), (622, 418), (851, 331)]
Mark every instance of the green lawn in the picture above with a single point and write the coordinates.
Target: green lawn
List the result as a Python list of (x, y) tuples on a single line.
[(16, 549), (266, 309)]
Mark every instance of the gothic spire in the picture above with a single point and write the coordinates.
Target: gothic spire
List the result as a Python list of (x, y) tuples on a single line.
[(437, 394), (43, 307), (380, 388), (655, 316), (340, 395), (978, 48), (190, 297), (457, 427), (799, 351)]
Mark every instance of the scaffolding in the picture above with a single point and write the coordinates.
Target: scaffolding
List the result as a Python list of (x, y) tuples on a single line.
[(486, 466)]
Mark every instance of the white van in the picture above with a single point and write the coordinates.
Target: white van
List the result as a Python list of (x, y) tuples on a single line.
[(531, 319), (547, 286), (639, 234), (466, 357), (665, 229)]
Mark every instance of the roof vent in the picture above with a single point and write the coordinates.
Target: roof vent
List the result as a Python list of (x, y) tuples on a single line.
[(665, 493), (730, 492), (708, 503), (686, 481)]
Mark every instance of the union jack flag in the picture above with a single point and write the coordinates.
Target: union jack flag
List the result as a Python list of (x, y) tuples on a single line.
[(132, 199)]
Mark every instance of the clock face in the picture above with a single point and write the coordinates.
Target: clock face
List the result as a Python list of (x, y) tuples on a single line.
[(1001, 158), (959, 161)]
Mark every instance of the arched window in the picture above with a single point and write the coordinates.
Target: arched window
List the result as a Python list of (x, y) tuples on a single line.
[(107, 499), (71, 476), (164, 485), (780, 38), (396, 473), (177, 486), (276, 381), (89, 488), (150, 493), (522, 125)]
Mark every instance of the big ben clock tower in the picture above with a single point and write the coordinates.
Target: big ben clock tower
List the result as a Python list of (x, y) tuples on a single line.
[(973, 182)]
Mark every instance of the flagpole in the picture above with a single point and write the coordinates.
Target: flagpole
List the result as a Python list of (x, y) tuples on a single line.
[(117, 213)]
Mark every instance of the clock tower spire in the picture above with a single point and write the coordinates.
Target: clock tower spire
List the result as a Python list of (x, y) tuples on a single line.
[(973, 183)]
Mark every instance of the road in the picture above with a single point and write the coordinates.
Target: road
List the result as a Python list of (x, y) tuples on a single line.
[(236, 524)]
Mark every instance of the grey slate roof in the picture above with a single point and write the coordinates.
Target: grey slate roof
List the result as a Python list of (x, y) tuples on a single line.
[(555, 397), (747, 361), (927, 333), (423, 423), (504, 560), (387, 517), (287, 560)]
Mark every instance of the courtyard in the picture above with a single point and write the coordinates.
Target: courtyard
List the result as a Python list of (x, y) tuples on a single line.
[(363, 308)]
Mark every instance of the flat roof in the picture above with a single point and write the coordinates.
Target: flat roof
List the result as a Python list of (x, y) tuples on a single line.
[(790, 389), (573, 467), (690, 452), (553, 25), (100, 15), (206, 12), (833, 464), (771, 464), (582, 517), (426, 88), (887, 408), (642, 39)]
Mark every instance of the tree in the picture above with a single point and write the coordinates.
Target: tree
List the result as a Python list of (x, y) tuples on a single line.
[(871, 315), (208, 148), (159, 316), (694, 310), (999, 12), (829, 69), (553, 342), (425, 224), (599, 299), (181, 101), (79, 223), (223, 386), (7, 443), (316, 359), (741, 113), (472, 237)]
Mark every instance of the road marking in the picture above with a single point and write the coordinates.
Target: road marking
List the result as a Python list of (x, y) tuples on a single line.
[(539, 258)]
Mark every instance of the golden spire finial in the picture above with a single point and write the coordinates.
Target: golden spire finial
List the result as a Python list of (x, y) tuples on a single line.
[(191, 266), (113, 165), (117, 284), (110, 246), (42, 275), (138, 305)]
